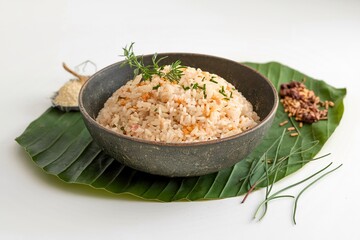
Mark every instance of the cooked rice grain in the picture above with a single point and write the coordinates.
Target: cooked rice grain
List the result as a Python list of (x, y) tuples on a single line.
[(200, 107)]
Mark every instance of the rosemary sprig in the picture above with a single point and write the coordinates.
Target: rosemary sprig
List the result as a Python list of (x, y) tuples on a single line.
[(175, 72), (173, 75), (138, 64)]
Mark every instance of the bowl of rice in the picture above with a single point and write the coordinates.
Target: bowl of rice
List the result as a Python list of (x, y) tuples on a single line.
[(209, 119)]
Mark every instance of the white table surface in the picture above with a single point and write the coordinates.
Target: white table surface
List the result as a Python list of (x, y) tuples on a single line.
[(319, 38)]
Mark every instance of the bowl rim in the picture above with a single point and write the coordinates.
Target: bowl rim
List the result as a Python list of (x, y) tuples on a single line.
[(184, 144)]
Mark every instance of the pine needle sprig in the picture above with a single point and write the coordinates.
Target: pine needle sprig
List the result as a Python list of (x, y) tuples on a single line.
[(175, 72), (147, 71)]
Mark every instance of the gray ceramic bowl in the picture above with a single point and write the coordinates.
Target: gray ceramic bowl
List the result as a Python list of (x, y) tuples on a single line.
[(180, 159)]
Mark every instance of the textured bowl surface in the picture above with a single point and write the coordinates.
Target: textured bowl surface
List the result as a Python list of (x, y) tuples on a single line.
[(180, 159)]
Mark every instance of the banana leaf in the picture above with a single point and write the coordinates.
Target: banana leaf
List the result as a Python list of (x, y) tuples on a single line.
[(59, 143)]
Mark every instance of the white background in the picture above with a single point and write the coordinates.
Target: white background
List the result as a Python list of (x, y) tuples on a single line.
[(319, 38)]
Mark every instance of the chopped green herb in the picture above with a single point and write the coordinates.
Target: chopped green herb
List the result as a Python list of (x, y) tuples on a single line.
[(212, 79), (204, 90), (222, 91), (226, 98), (203, 79), (231, 94), (156, 87), (195, 86), (233, 89), (185, 88)]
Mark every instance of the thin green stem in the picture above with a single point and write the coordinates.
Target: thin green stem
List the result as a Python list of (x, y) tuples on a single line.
[(278, 147), (277, 165), (267, 188), (313, 182), (261, 159), (292, 122), (288, 187), (300, 182), (267, 201), (291, 164), (300, 150)]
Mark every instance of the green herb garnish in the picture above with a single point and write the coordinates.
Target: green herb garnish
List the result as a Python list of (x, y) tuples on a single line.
[(175, 72), (204, 90), (138, 63), (156, 87), (226, 99), (212, 79), (196, 86), (222, 91), (148, 71), (185, 88), (231, 93)]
